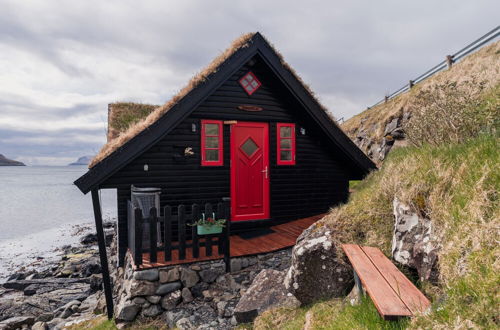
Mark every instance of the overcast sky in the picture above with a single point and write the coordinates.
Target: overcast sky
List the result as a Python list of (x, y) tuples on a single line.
[(62, 62)]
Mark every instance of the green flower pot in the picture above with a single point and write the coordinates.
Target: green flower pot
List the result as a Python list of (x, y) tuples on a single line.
[(207, 229)]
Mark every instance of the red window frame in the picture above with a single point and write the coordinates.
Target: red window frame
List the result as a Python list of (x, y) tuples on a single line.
[(220, 148), (278, 144), (251, 74)]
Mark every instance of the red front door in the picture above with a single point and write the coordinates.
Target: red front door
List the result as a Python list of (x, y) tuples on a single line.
[(249, 171)]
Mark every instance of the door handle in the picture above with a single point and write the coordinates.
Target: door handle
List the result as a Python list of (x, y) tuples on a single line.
[(265, 171)]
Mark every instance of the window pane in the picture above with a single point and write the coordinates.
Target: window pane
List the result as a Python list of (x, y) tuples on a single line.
[(249, 147), (212, 155), (211, 142), (211, 129), (286, 143), (285, 131), (286, 154)]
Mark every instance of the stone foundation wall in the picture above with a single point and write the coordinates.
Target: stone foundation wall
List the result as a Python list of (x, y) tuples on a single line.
[(189, 295)]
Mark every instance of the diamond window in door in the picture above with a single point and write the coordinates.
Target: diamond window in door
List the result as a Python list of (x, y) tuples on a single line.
[(250, 83), (249, 147)]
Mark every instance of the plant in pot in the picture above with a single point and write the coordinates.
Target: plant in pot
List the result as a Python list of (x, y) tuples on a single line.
[(209, 225)]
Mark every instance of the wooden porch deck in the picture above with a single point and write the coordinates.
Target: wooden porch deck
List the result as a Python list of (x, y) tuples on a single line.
[(283, 236)]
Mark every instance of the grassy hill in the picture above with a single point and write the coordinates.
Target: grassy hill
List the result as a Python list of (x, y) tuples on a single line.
[(448, 169), (368, 129), (458, 186)]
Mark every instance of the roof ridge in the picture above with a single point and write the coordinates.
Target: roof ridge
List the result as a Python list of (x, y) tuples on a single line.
[(237, 44)]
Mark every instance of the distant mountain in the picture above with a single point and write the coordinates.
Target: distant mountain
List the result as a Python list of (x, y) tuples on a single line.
[(4, 161), (85, 160)]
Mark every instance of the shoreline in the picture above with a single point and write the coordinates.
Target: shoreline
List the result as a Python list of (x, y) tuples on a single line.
[(63, 285), (40, 250)]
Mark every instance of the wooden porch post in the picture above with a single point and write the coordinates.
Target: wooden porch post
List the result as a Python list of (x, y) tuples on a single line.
[(102, 252)]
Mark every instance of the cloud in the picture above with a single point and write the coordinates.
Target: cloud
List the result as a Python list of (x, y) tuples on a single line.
[(63, 62)]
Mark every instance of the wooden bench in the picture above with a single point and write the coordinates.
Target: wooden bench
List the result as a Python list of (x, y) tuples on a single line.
[(392, 293)]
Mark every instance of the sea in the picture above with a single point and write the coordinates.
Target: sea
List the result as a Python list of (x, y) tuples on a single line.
[(41, 210)]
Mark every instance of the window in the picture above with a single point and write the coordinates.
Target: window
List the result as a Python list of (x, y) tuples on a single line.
[(250, 83), (211, 143), (285, 144)]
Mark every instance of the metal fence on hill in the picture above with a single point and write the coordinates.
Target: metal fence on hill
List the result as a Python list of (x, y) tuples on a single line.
[(446, 63)]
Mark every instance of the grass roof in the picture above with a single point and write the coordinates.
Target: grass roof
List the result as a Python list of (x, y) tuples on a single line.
[(123, 115)]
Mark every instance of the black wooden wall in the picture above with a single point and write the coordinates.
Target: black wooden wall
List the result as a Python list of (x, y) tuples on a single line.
[(318, 181)]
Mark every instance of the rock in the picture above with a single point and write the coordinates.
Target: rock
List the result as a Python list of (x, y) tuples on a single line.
[(30, 290), (90, 267), (140, 288), (267, 291), (413, 244), (353, 297), (195, 267), (209, 275), (139, 301), (398, 134), (146, 275), (197, 290), (55, 283), (152, 311), (189, 277), (227, 281), (391, 126), (385, 147), (39, 326), (100, 308), (17, 322), (316, 271), (184, 323), (65, 313), (45, 317), (95, 282), (171, 317), (69, 305), (221, 308), (235, 264), (126, 311), (171, 300), (153, 299), (90, 238), (55, 323), (170, 275), (163, 289), (88, 304), (187, 297), (49, 297)]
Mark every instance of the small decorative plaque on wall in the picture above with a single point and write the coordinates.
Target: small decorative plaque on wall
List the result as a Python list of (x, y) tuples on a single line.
[(249, 108)]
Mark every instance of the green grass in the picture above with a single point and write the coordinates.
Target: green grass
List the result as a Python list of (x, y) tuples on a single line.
[(331, 314), (126, 114), (363, 316), (354, 184), (455, 185)]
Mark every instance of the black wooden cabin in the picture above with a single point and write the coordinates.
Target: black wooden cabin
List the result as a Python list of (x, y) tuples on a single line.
[(249, 130)]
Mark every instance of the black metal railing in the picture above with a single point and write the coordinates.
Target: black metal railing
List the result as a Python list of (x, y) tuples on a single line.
[(183, 239), (446, 63)]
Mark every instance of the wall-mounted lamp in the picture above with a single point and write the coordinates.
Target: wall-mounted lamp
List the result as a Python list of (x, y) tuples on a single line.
[(193, 127), (146, 167), (302, 131)]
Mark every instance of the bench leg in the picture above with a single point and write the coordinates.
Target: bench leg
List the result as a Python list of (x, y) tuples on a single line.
[(359, 285)]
